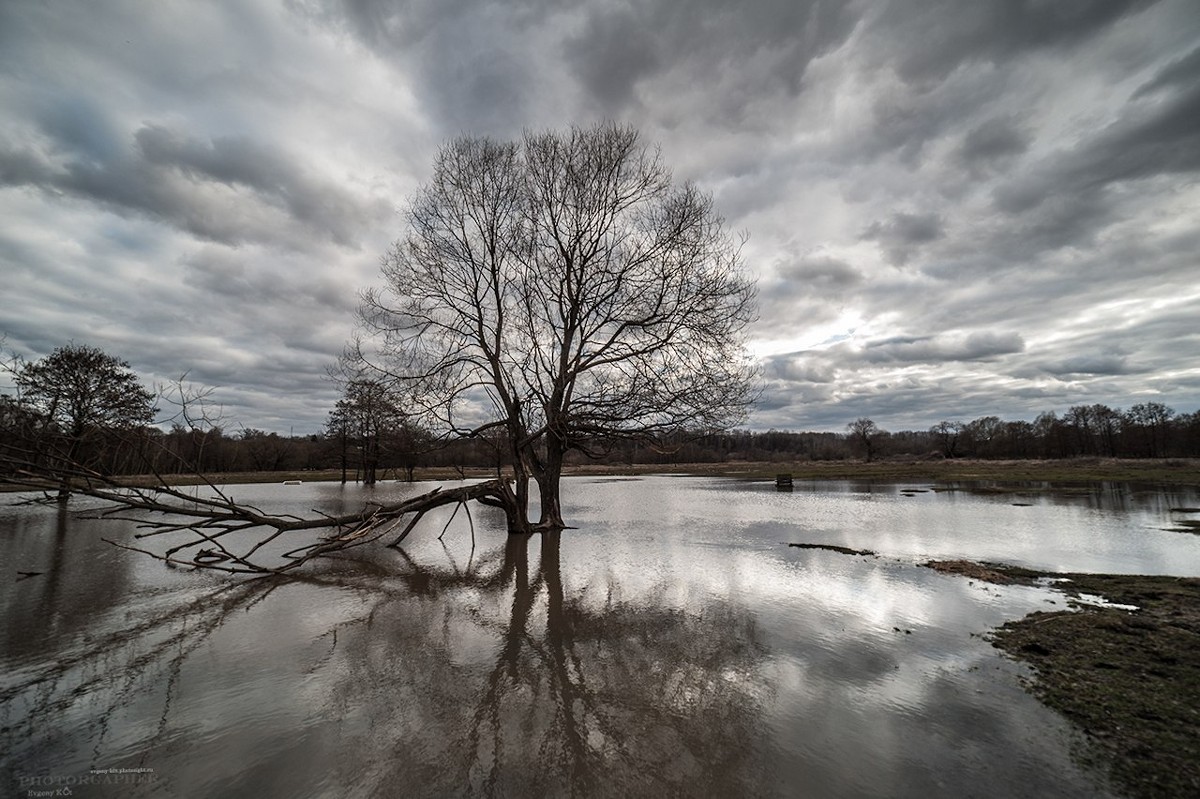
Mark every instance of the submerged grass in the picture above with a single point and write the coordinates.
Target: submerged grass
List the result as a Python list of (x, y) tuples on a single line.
[(1129, 679)]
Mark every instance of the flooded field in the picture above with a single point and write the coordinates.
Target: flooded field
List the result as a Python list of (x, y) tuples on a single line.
[(672, 644)]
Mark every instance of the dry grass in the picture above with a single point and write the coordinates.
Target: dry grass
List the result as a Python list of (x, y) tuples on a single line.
[(1017, 474)]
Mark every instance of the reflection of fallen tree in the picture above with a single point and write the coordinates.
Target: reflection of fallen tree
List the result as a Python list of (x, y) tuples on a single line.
[(100, 675), (208, 523)]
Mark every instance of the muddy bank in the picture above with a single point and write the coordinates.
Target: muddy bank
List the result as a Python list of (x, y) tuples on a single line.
[(834, 548), (1130, 679)]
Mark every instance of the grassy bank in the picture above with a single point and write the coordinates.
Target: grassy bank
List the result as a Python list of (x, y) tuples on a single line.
[(1075, 470), (1063, 472), (1129, 679)]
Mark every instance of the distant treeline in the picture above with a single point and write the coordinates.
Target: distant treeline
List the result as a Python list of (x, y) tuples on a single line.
[(1148, 430), (1144, 431)]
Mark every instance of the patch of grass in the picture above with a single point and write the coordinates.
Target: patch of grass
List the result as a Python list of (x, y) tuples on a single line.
[(834, 548), (1001, 575)]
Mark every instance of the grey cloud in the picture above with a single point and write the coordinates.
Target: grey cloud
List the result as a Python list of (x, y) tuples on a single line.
[(1053, 222), (927, 349), (261, 168), (820, 376), (957, 62), (1105, 364), (494, 67), (904, 121), (904, 228), (929, 40), (611, 53), (620, 44), (477, 66), (824, 272), (807, 291), (795, 368), (81, 127), (903, 233), (244, 280), (994, 139), (21, 166), (172, 177), (1181, 73), (1145, 143), (1155, 135), (1072, 196)]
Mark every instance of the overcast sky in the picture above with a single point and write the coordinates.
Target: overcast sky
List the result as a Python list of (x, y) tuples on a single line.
[(955, 208)]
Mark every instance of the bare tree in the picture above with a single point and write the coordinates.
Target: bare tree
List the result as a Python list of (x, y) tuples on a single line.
[(195, 420), (367, 418), (866, 433), (1149, 422), (947, 435), (561, 289), (983, 435)]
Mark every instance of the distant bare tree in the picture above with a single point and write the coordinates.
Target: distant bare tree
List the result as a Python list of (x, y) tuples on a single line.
[(983, 434), (267, 452), (195, 421), (561, 289), (367, 418), (947, 435), (1096, 428), (865, 432), (1149, 422)]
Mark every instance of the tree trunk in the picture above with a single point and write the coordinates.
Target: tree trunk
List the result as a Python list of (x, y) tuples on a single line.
[(549, 480), (344, 444), (64, 486), (518, 513)]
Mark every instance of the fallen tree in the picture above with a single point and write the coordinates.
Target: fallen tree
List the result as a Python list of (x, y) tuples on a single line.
[(224, 535)]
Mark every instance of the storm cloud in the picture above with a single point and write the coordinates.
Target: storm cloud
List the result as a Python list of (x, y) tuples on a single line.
[(953, 210)]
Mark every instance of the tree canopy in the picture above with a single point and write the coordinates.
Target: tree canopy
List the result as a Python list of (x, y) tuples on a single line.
[(563, 290), (78, 388), (70, 400)]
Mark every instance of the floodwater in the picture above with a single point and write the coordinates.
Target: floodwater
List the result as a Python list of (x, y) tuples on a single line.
[(671, 644)]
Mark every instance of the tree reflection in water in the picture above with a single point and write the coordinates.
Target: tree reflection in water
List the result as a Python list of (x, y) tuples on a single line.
[(42, 706), (493, 679), (575, 698)]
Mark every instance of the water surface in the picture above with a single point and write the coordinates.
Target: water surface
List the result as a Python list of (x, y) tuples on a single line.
[(671, 644)]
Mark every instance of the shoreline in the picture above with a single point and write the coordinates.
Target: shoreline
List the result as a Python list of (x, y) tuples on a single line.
[(1075, 471)]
